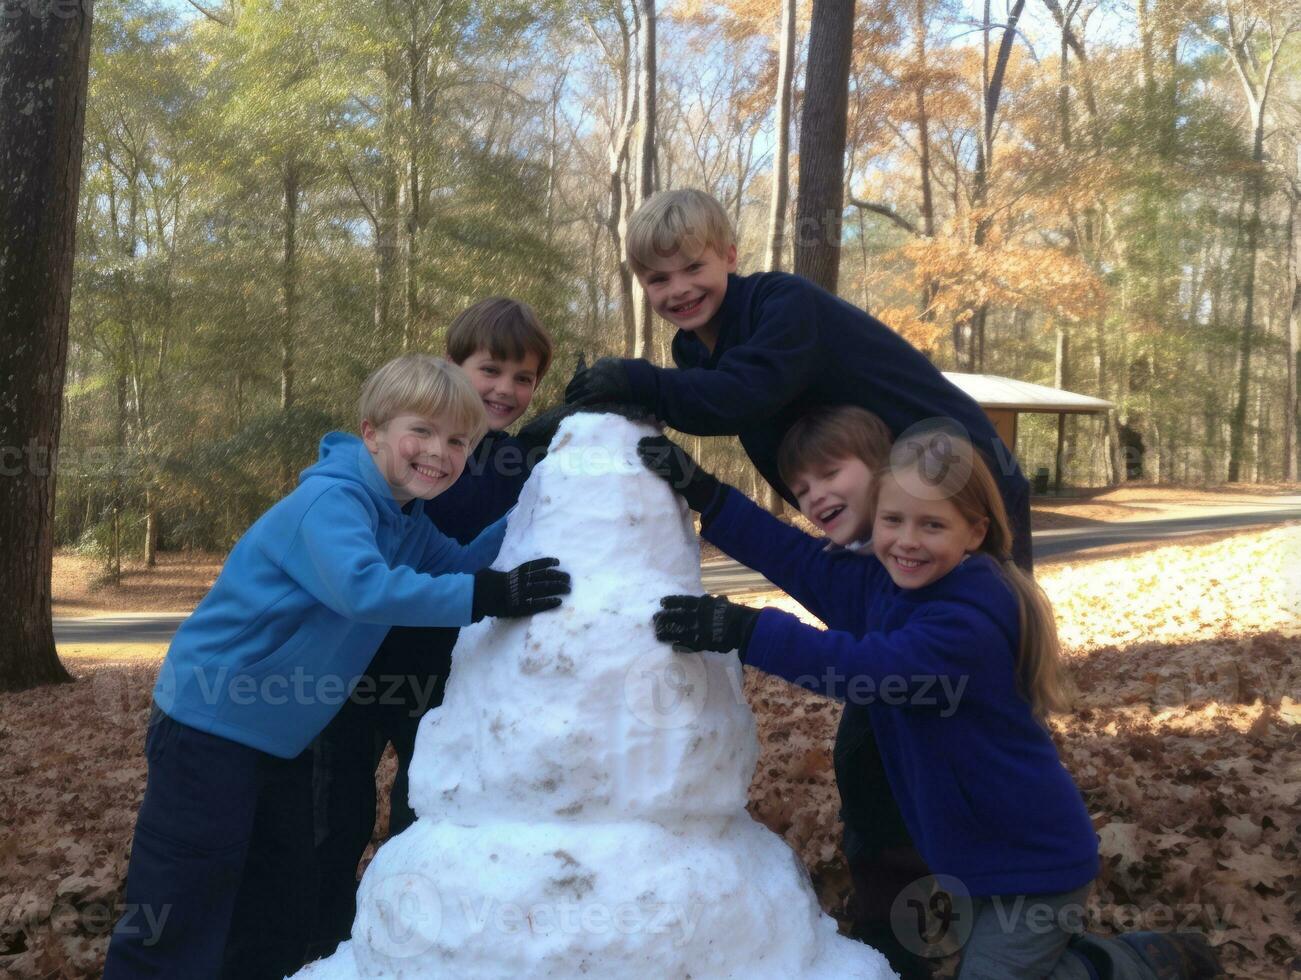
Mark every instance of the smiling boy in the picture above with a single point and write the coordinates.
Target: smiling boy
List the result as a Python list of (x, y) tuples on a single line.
[(756, 352), (223, 841), (504, 352)]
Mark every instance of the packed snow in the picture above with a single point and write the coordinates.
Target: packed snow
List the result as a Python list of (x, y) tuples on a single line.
[(581, 792)]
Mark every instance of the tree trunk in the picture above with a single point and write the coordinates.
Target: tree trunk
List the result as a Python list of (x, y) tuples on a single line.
[(42, 114), (415, 198), (992, 91), (386, 225), (616, 221), (151, 529), (646, 163), (781, 169), (1292, 407), (289, 286), (931, 287), (820, 203), (1238, 425)]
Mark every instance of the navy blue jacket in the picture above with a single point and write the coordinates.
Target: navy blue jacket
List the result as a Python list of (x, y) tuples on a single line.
[(976, 776), (494, 476), (786, 346)]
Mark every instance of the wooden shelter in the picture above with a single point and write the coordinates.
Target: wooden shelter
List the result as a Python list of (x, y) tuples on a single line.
[(1004, 399)]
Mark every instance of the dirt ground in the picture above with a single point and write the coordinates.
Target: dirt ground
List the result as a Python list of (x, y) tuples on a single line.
[(175, 584), (1185, 739)]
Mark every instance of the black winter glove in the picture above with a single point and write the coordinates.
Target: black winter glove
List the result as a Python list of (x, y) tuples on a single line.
[(533, 587), (705, 622), (537, 435), (605, 381), (673, 464)]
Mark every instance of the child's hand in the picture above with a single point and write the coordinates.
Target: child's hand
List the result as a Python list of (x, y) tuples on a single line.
[(604, 381), (670, 462), (704, 622), (533, 587)]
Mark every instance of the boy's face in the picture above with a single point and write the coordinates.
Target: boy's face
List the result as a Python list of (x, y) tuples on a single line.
[(835, 496), (418, 456), (505, 385), (920, 540), (688, 293)]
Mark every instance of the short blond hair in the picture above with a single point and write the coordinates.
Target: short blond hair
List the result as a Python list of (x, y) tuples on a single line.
[(684, 221), (421, 384)]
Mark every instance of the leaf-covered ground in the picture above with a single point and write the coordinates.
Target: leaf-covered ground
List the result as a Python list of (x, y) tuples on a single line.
[(1186, 740)]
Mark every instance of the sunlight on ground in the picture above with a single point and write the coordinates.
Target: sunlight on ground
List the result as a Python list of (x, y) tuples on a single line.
[(90, 654)]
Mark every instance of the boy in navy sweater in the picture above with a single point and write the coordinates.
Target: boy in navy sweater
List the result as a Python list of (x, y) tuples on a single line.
[(754, 353), (505, 352), (221, 862)]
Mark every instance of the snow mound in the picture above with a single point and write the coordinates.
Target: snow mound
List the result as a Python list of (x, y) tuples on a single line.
[(581, 792)]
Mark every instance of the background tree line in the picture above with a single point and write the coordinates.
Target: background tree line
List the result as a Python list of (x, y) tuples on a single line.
[(277, 195)]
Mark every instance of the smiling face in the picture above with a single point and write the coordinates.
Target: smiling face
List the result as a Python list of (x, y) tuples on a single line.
[(418, 456), (920, 540), (506, 385), (689, 292), (836, 497)]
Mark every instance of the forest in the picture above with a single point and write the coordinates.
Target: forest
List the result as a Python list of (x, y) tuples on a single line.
[(277, 196)]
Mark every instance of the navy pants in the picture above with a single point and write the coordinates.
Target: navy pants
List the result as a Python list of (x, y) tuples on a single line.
[(405, 679), (879, 850), (221, 880)]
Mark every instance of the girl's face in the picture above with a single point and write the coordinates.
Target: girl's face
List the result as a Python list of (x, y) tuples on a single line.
[(920, 540), (836, 497)]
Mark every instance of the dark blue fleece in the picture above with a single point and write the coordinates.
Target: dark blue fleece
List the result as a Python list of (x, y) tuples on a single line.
[(977, 778), (786, 346)]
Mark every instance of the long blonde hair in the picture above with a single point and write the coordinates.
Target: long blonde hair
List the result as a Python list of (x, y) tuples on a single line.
[(951, 466)]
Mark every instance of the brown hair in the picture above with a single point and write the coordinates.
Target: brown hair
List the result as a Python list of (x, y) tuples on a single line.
[(955, 471), (686, 220), (830, 433), (507, 328)]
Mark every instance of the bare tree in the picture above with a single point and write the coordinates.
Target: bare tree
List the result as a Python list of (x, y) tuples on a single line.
[(42, 114), (820, 202), (620, 61), (781, 163), (646, 161), (1254, 60)]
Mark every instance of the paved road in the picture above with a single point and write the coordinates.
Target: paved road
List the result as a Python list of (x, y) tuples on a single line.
[(722, 576), (725, 577)]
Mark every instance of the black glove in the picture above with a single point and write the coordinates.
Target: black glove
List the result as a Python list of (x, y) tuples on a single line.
[(604, 381), (670, 462), (533, 587), (537, 435), (705, 622)]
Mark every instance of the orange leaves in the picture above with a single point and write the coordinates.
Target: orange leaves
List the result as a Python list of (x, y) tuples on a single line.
[(1003, 273)]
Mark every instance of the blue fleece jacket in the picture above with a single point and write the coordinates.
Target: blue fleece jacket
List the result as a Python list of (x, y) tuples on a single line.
[(785, 346), (306, 596), (977, 778), (494, 475)]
